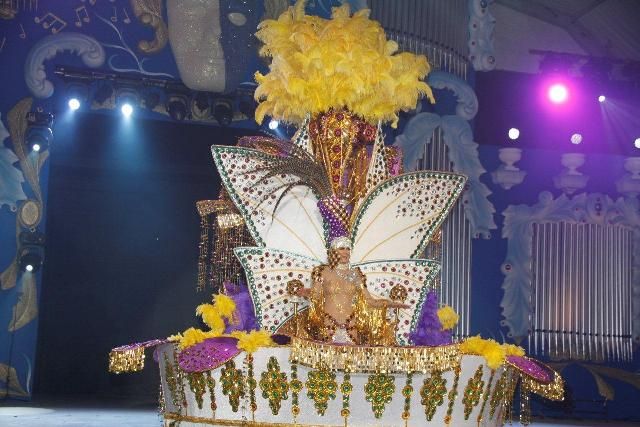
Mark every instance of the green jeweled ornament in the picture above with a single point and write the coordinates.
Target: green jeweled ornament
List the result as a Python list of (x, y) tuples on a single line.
[(252, 384), (473, 392), (172, 382), (379, 390), (498, 395), (432, 393), (198, 385), (232, 384), (296, 388), (211, 386), (453, 393), (346, 388), (407, 391), (274, 385), (321, 387)]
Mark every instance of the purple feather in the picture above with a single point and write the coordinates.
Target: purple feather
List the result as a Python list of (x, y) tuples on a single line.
[(429, 331)]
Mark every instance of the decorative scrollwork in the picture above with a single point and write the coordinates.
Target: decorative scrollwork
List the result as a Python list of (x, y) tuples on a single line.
[(149, 12), (88, 48)]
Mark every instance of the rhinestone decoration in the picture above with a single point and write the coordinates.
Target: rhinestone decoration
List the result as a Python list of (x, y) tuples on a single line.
[(415, 276), (211, 386), (485, 397), (346, 388), (321, 387), (407, 391), (379, 390), (453, 393), (172, 382), (268, 272), (498, 394), (432, 392), (232, 384), (251, 383), (197, 384), (274, 385), (296, 388), (422, 201), (473, 392)]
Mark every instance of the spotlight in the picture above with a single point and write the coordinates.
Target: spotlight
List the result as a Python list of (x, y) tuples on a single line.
[(602, 98), (273, 124), (177, 107), (636, 143), (126, 109), (77, 94), (38, 135), (576, 138), (514, 133), (223, 112), (74, 104), (31, 250), (126, 99), (558, 93), (30, 260)]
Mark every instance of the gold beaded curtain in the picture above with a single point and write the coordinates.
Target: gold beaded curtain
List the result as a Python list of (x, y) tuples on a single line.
[(221, 230)]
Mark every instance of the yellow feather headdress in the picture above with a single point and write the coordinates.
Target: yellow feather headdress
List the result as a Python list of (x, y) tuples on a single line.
[(343, 62)]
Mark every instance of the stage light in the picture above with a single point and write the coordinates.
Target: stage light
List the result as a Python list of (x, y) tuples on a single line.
[(31, 250), (39, 134), (514, 133), (576, 138), (223, 111), (558, 93), (126, 100), (636, 143), (74, 104), (177, 107), (30, 260), (77, 94), (126, 109), (602, 98), (273, 124)]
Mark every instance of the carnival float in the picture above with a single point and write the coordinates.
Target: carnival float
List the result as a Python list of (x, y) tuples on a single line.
[(326, 310)]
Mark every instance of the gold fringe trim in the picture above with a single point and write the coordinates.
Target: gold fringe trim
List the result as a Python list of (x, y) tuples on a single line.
[(130, 360), (552, 391), (222, 422), (374, 359), (207, 207)]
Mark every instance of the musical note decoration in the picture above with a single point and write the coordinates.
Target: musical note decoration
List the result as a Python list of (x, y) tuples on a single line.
[(52, 22), (82, 15)]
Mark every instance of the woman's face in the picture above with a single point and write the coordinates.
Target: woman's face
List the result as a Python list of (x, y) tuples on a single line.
[(344, 254)]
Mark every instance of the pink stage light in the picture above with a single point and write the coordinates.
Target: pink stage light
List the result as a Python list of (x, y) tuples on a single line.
[(558, 93)]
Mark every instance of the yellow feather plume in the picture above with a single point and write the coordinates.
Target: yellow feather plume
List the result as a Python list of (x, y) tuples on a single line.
[(225, 305), (448, 317), (251, 341), (346, 61), (493, 352)]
